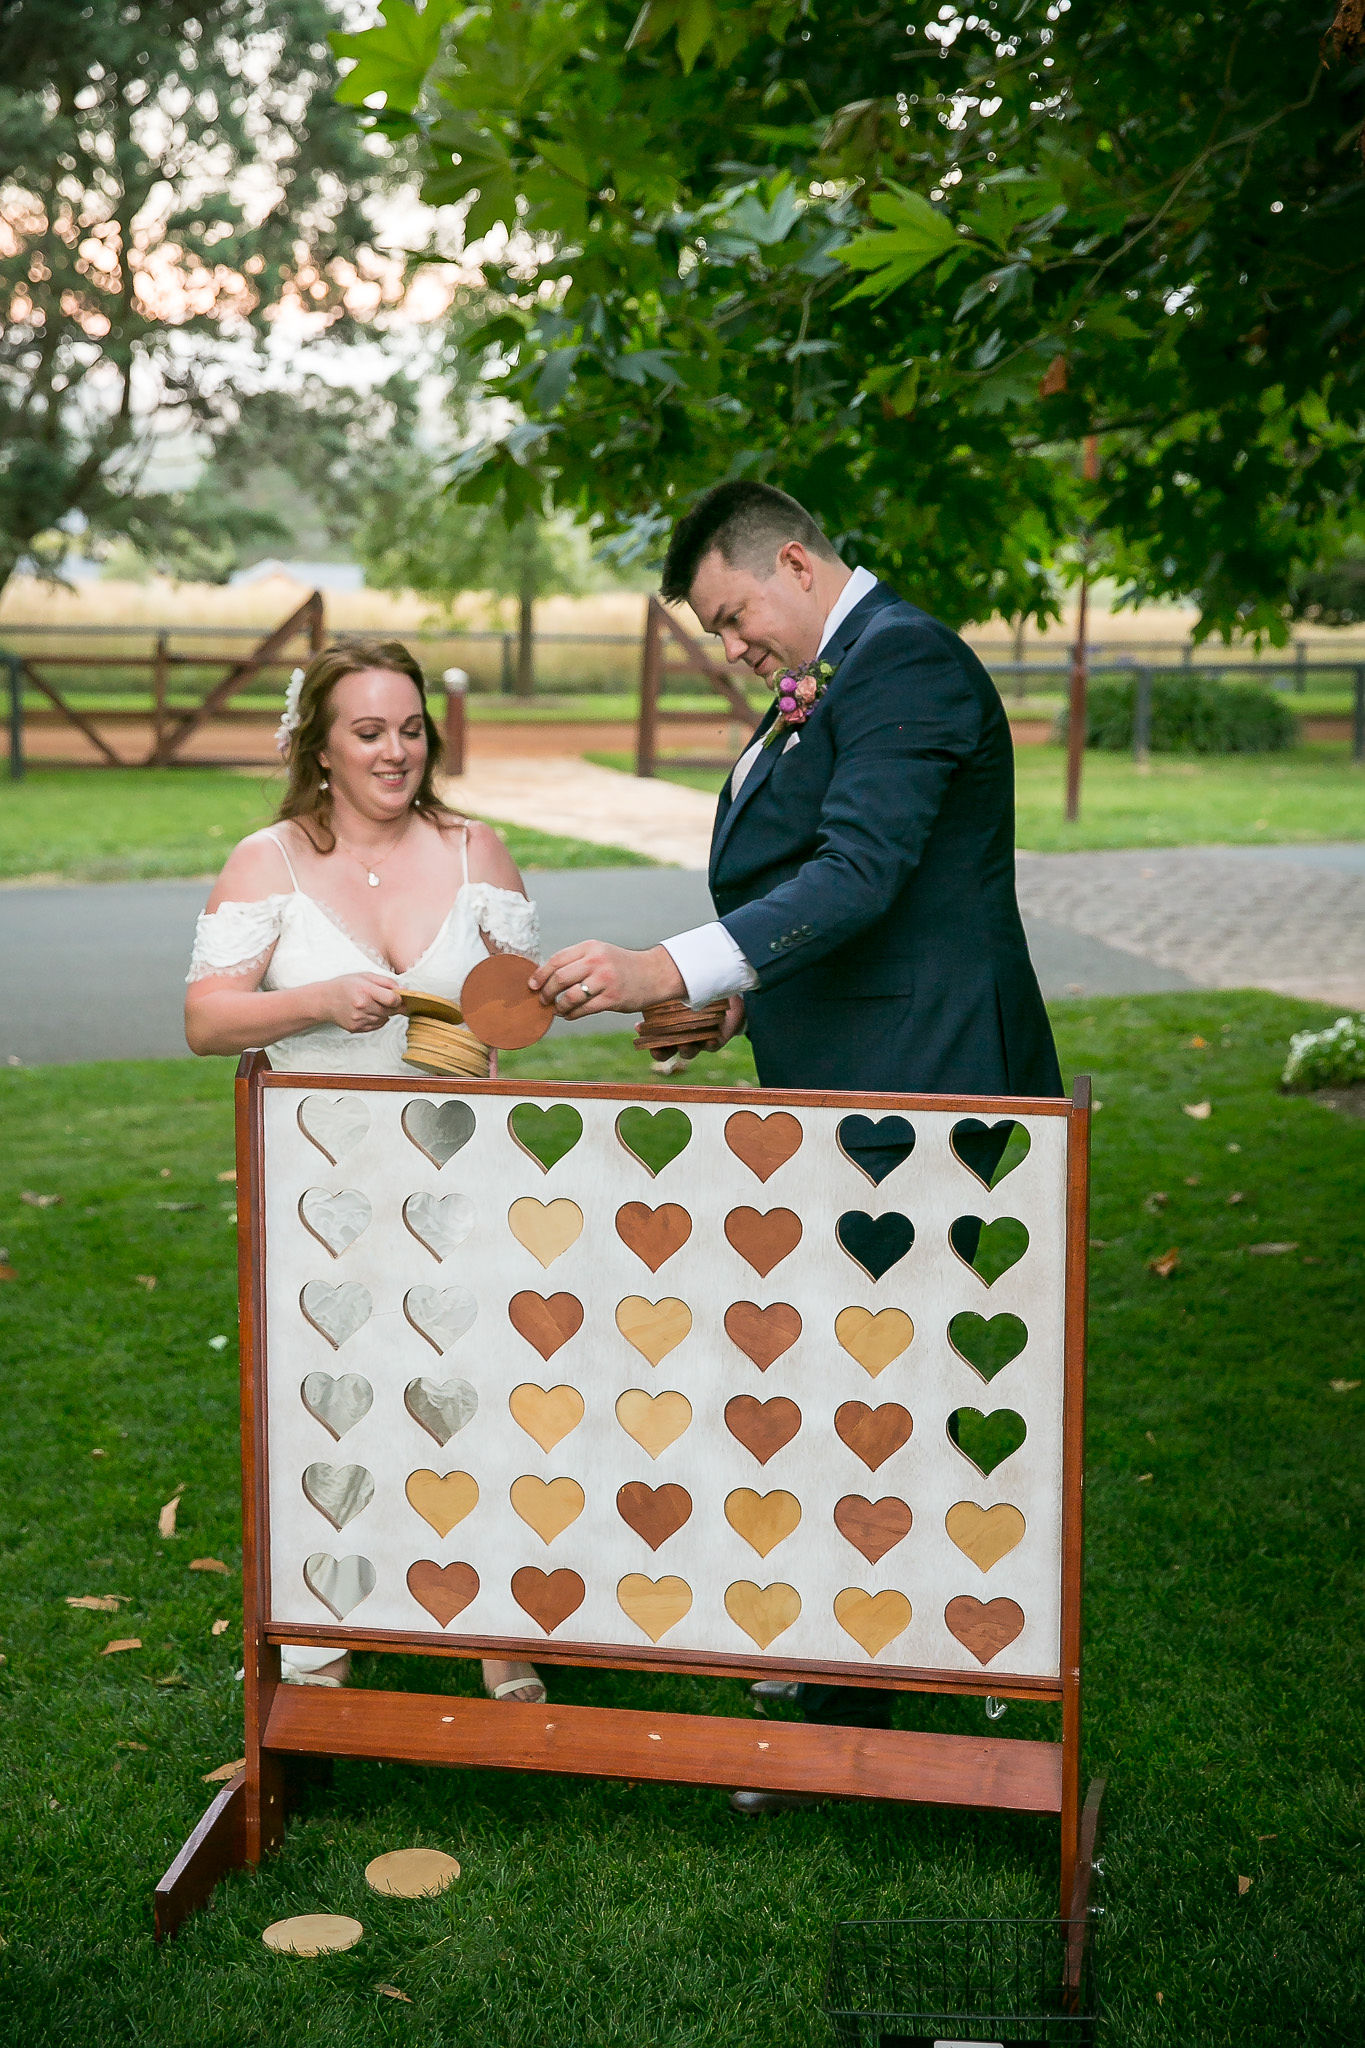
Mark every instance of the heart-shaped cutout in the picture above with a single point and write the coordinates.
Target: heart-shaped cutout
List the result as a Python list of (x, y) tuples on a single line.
[(440, 1314), (988, 1344), (990, 1152), (763, 1612), (548, 1506), (548, 1597), (985, 1535), (545, 1323), (336, 1313), (763, 1143), (341, 1583), (654, 1327), (439, 1222), (334, 1123), (876, 1243), (547, 1414), (987, 1440), (873, 1526), (872, 1619), (875, 1341), (876, 1148), (763, 1241), (445, 1590), (340, 1492), (763, 1427), (654, 1137), (442, 1501), (873, 1434), (335, 1220), (989, 1249), (438, 1129), (762, 1334), (654, 1605), (654, 1420), (443, 1407), (763, 1519), (338, 1404), (547, 1229), (654, 1512), (653, 1234), (545, 1135), (984, 1627)]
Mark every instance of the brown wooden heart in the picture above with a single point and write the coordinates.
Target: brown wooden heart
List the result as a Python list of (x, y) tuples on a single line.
[(654, 1605), (985, 1535), (763, 1241), (653, 1234), (654, 1512), (548, 1597), (762, 1334), (763, 1519), (442, 1501), (763, 1142), (762, 1611), (873, 1434), (545, 1322), (445, 1590), (872, 1619), (763, 1427), (873, 1526), (984, 1627)]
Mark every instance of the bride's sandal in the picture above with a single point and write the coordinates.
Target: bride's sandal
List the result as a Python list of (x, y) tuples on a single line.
[(525, 1686)]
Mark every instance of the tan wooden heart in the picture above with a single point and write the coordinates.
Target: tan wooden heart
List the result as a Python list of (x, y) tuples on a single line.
[(763, 1241), (546, 1322), (763, 1142), (984, 1627), (444, 1590), (654, 1327), (762, 1334), (872, 1619), (875, 1341), (442, 1501), (763, 1519), (763, 1612), (985, 1535), (653, 1234), (545, 1228), (654, 1420), (654, 1605), (547, 1505), (547, 1414)]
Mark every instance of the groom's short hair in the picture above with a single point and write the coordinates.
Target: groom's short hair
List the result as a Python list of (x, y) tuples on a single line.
[(748, 523)]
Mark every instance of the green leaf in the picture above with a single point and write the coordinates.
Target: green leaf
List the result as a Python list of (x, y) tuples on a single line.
[(918, 236), (394, 57)]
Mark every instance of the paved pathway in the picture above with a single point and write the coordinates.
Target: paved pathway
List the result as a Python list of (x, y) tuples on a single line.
[(581, 801)]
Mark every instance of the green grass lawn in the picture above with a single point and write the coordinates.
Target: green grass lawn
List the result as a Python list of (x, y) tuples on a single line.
[(1226, 1507), (122, 824)]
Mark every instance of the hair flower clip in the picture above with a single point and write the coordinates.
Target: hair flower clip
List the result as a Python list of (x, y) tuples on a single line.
[(289, 719)]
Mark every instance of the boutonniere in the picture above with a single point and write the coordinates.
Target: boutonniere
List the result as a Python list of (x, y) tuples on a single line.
[(799, 690)]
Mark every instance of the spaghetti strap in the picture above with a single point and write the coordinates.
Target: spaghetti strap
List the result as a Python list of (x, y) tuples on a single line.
[(273, 834), (464, 852)]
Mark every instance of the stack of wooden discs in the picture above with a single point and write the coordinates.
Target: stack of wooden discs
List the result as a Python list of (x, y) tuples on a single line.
[(439, 1040), (672, 1027)]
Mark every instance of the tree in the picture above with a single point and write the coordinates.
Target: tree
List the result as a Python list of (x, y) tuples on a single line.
[(176, 174), (905, 266)]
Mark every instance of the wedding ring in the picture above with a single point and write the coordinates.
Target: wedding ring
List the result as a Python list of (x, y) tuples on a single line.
[(586, 992)]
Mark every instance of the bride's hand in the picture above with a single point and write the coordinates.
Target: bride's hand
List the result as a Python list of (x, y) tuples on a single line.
[(359, 1002)]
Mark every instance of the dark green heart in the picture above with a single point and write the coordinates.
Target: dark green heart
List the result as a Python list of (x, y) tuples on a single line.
[(654, 1136), (990, 1249), (876, 1149), (986, 1439), (547, 1134), (876, 1243), (989, 1151), (988, 1343)]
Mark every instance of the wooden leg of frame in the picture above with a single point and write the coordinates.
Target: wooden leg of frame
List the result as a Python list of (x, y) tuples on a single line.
[(217, 1845), (1078, 1906), (265, 1772)]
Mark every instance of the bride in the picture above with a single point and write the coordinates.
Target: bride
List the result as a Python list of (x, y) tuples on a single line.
[(365, 885)]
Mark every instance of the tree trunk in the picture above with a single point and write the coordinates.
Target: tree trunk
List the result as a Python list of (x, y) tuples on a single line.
[(526, 607)]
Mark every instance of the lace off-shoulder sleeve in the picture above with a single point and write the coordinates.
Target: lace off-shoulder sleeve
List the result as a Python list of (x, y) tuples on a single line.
[(510, 921), (235, 938)]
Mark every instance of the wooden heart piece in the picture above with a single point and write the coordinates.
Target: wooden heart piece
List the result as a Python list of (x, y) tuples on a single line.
[(876, 1243), (439, 1129), (334, 1123), (445, 1590), (654, 1137), (335, 1220), (763, 1143), (873, 1434), (654, 1327), (763, 1519), (548, 1597), (763, 1241), (876, 1341), (545, 1322), (654, 1605), (984, 1627), (763, 1612), (654, 1512), (547, 1414), (442, 1501), (545, 1228), (985, 1535), (762, 1334), (873, 1526), (872, 1619), (763, 1427), (654, 1420), (548, 1506), (545, 1135), (653, 1234)]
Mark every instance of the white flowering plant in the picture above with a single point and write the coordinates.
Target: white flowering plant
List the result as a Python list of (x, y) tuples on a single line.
[(1334, 1058)]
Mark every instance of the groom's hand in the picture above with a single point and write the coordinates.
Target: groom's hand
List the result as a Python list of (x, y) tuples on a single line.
[(591, 976)]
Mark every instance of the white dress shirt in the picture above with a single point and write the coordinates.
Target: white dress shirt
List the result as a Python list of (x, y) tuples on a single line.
[(707, 958)]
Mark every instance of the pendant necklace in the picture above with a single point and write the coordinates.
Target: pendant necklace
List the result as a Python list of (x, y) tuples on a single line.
[(371, 867)]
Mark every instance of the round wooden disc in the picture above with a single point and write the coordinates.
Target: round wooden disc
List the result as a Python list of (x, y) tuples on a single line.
[(417, 1004), (313, 1934), (499, 1008), (411, 1873)]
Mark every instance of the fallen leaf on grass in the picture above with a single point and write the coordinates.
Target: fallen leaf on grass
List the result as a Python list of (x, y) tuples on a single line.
[(147, 1280), (39, 1201), (1200, 1111), (1165, 1263), (100, 1603), (1192, 1180), (165, 1173), (392, 1991), (1343, 1386), (1161, 1998), (1267, 1838), (55, 1805), (1243, 1886), (207, 1564), (179, 1208), (130, 1745), (165, 1521), (1150, 1436), (1233, 1146), (172, 1678), (97, 1452), (1270, 1251), (225, 1771), (1235, 1197), (121, 1643), (1156, 1201), (231, 1174), (7, 1272), (1143, 1477), (217, 1343), (218, 1628), (1198, 1044)]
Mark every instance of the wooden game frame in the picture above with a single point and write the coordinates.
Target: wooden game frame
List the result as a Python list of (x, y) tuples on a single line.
[(285, 1725)]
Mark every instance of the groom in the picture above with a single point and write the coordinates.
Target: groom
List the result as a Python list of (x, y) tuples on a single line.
[(862, 860)]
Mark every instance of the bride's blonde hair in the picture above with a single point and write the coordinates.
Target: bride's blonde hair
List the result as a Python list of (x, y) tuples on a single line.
[(308, 797)]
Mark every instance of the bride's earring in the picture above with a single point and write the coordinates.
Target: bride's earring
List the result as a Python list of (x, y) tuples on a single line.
[(323, 784)]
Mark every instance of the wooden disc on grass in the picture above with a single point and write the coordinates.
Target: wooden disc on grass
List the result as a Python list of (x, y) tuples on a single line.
[(313, 1934), (499, 1006), (411, 1873)]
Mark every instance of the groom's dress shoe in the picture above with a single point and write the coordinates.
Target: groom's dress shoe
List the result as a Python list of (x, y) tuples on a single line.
[(769, 1692), (753, 1803)]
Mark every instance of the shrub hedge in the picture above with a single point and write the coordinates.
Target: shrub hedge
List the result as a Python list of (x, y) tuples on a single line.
[(1190, 715)]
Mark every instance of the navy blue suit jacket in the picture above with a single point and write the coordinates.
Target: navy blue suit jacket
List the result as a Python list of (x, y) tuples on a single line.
[(867, 874)]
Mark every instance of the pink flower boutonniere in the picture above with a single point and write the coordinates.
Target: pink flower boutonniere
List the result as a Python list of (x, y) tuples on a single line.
[(799, 690)]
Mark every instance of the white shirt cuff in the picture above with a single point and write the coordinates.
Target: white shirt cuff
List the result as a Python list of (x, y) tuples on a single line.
[(710, 964)]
